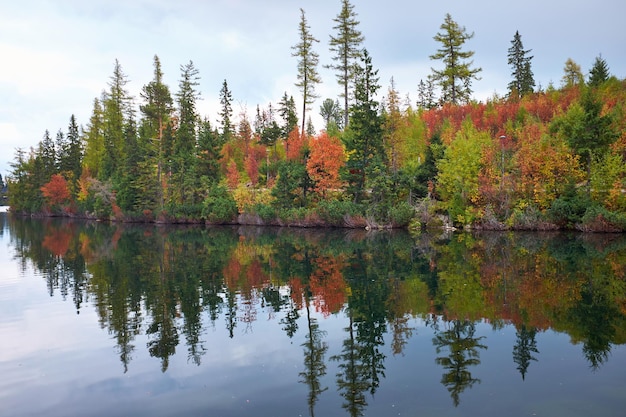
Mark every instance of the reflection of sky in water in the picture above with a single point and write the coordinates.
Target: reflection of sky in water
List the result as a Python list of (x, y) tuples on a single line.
[(55, 362)]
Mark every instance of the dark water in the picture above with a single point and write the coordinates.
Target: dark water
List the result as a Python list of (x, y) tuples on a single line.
[(122, 320)]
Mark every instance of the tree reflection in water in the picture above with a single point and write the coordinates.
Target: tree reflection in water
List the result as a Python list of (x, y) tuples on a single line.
[(463, 352), (170, 284)]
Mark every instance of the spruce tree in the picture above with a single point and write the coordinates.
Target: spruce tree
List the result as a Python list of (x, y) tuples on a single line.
[(364, 139), (116, 105), (455, 79), (523, 81), (226, 112), (184, 146), (157, 111), (287, 112), (308, 60), (346, 46), (599, 73)]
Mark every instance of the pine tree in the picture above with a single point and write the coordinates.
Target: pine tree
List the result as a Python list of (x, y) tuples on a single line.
[(226, 112), (347, 48), (308, 60), (523, 81), (456, 78), (599, 73)]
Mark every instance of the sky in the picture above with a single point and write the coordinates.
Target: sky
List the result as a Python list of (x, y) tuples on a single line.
[(56, 57)]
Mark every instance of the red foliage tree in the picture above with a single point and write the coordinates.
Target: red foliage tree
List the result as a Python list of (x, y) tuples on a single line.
[(56, 191), (325, 160)]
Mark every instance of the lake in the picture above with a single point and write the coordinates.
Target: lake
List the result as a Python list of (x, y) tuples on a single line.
[(108, 320)]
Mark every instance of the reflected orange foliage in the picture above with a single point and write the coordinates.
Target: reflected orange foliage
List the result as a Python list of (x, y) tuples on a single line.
[(328, 286), (58, 241)]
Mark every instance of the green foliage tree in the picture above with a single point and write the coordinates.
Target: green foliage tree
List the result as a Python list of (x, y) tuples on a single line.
[(455, 79), (157, 110), (332, 114), (599, 73), (426, 94), (364, 139), (458, 171), (287, 111), (73, 153), (586, 129), (117, 104), (346, 46), (226, 112), (308, 60), (184, 149), (209, 146), (523, 81)]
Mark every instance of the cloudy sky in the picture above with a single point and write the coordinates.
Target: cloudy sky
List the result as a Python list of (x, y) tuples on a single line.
[(57, 56)]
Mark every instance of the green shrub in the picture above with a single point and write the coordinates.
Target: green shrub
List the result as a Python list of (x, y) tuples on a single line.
[(219, 206)]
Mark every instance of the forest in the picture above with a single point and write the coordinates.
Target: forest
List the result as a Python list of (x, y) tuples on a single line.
[(533, 159)]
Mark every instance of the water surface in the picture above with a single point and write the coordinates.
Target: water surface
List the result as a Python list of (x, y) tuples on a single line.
[(108, 320)]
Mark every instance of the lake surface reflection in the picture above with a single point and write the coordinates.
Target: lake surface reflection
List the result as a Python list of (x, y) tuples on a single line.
[(108, 320)]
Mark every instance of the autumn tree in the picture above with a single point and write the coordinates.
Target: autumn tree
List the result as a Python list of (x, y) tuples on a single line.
[(523, 81), (324, 163), (455, 79), (346, 45), (572, 74), (308, 60), (56, 191), (94, 140)]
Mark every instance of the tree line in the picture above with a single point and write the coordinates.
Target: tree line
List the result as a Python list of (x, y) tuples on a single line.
[(532, 159)]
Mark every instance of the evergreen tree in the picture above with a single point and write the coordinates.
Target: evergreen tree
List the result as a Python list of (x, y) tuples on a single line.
[(60, 147), (184, 147), (426, 94), (74, 152), (308, 60), (157, 110), (331, 113), (572, 74), (599, 73), (94, 140), (346, 46), (209, 146), (226, 112), (523, 81), (456, 78), (116, 105), (48, 157), (364, 141), (287, 112)]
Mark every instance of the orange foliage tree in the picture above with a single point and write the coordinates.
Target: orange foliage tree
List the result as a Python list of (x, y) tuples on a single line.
[(56, 191), (325, 161)]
